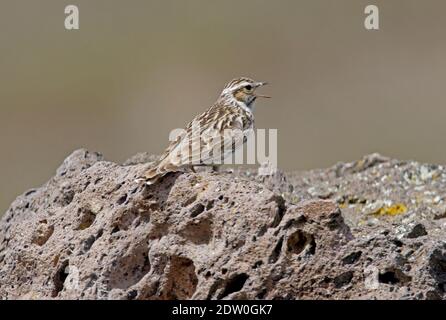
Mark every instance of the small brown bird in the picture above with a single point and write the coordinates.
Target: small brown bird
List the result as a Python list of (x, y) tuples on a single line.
[(213, 135)]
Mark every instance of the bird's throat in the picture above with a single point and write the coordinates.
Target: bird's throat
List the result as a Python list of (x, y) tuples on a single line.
[(247, 107)]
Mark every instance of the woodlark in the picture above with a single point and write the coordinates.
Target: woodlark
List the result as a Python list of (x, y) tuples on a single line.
[(213, 135)]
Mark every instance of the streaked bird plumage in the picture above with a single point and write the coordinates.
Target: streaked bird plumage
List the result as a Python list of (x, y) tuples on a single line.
[(223, 128)]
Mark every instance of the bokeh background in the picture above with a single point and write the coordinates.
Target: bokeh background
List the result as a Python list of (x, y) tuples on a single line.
[(137, 69)]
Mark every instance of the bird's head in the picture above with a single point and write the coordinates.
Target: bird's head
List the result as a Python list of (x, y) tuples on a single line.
[(243, 91)]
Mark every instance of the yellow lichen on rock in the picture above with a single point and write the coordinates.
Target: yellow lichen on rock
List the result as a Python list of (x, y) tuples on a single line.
[(396, 209)]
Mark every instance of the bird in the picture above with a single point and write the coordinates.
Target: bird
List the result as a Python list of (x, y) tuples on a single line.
[(213, 135)]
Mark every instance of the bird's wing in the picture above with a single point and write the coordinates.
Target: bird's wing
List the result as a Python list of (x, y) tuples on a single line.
[(209, 139)]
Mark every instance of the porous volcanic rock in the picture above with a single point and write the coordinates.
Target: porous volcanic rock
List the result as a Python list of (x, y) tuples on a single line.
[(372, 229)]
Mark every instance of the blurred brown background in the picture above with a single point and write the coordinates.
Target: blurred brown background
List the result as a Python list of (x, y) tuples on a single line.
[(137, 69)]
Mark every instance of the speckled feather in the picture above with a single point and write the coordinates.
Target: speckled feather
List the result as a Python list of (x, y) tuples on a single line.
[(226, 113)]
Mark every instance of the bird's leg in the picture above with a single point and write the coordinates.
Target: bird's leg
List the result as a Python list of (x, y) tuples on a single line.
[(192, 169), (214, 168)]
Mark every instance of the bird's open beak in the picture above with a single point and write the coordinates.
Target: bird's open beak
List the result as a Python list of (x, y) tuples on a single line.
[(261, 84)]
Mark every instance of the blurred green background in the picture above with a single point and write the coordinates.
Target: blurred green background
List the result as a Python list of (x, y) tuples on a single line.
[(137, 69)]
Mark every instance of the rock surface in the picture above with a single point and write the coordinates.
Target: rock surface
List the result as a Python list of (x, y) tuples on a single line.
[(372, 229)]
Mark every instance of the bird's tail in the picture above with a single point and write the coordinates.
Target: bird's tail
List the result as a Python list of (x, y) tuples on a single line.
[(153, 174)]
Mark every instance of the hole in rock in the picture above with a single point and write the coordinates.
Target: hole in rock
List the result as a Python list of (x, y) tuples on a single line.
[(343, 279), (122, 199), (115, 229), (129, 269), (181, 279), (235, 284), (59, 278), (352, 257), (196, 210), (393, 276), (43, 233), (299, 240), (198, 233), (261, 294), (210, 205), (131, 295), (276, 252), (88, 243), (86, 220), (67, 198)]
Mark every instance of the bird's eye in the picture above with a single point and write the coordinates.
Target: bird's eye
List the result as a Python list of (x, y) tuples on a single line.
[(248, 87)]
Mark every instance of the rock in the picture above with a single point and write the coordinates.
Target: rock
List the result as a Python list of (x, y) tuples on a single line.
[(91, 233), (418, 231)]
